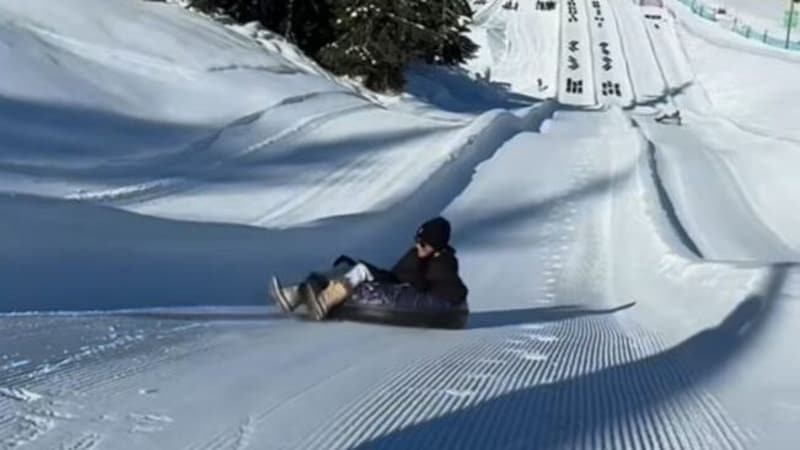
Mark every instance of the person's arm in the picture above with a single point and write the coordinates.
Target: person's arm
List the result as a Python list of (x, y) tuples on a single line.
[(444, 281), (409, 270), (344, 260), (379, 274)]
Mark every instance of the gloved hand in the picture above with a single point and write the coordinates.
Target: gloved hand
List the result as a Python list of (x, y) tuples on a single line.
[(344, 259)]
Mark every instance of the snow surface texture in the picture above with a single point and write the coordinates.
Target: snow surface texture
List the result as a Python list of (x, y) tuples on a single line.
[(583, 52), (632, 284)]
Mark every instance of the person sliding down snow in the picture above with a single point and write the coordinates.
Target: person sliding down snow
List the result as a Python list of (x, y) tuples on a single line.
[(426, 276)]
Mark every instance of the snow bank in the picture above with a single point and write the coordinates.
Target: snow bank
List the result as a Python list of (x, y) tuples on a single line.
[(123, 141), (95, 257), (739, 211), (147, 60)]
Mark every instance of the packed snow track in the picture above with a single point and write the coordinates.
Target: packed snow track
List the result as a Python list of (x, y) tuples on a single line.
[(582, 52), (633, 284)]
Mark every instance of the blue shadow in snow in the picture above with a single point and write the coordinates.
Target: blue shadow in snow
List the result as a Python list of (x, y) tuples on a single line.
[(454, 90), (72, 255), (598, 409), (510, 317)]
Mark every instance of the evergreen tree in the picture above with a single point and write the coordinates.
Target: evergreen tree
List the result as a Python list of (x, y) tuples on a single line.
[(456, 46), (239, 10), (449, 22), (371, 39), (376, 39), (307, 23)]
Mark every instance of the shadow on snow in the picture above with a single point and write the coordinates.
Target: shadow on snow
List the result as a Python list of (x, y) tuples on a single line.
[(73, 255), (493, 319), (619, 400), (478, 319)]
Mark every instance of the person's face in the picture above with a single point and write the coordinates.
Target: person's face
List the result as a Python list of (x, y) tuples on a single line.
[(424, 250)]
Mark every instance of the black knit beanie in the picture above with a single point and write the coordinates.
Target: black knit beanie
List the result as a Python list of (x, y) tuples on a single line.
[(435, 232)]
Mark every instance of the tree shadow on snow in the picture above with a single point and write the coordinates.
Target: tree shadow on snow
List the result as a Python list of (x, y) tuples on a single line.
[(73, 142), (456, 91), (34, 132), (478, 319), (597, 409), (301, 164)]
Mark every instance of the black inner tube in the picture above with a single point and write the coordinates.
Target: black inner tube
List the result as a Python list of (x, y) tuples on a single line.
[(448, 319)]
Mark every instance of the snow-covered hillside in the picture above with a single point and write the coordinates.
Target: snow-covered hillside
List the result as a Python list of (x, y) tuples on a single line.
[(633, 284), (185, 122)]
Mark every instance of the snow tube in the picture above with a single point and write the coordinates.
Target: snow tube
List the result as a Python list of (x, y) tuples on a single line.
[(401, 305)]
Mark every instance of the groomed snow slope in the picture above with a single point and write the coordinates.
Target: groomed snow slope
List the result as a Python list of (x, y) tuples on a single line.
[(590, 256), (728, 173), (751, 84), (645, 73), (734, 138), (584, 53), (509, 38), (610, 310)]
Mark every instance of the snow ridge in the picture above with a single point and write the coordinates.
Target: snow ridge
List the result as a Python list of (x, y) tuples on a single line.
[(666, 203), (595, 384)]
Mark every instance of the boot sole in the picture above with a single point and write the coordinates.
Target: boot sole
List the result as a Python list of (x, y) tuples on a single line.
[(283, 303)]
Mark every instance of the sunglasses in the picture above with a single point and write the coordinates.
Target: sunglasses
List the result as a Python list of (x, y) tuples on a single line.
[(421, 242)]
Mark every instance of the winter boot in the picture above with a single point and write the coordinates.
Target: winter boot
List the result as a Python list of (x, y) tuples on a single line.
[(288, 298), (323, 294)]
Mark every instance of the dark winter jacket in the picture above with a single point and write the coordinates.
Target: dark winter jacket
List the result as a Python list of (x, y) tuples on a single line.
[(436, 275)]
